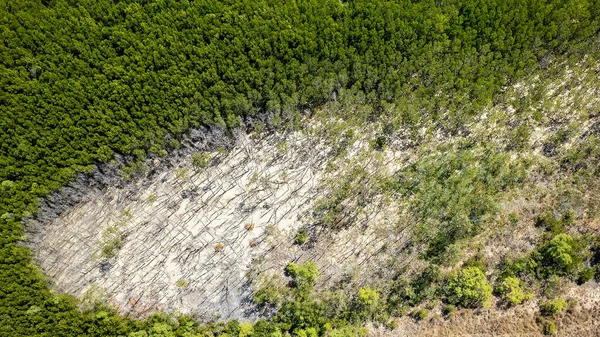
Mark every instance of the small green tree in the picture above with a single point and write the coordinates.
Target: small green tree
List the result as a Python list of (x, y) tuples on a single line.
[(304, 275), (559, 255), (510, 289), (368, 297), (469, 288), (368, 301)]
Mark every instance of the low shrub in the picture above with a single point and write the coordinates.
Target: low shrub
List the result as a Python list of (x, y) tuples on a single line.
[(303, 275), (468, 287), (549, 328), (559, 256), (368, 297), (420, 314), (553, 307), (448, 309), (301, 237), (585, 275), (510, 289)]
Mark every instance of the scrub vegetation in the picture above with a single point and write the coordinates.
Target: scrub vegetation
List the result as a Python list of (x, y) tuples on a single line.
[(88, 82)]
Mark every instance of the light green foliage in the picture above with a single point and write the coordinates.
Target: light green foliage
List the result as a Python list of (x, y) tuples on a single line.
[(368, 297), (368, 301), (348, 331), (304, 275), (200, 160), (468, 287), (553, 307), (246, 330), (174, 143), (7, 184), (282, 147), (310, 332), (510, 288), (549, 328), (181, 173), (152, 198), (182, 283), (157, 330)]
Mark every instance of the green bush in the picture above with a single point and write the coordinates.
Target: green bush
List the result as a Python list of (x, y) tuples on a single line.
[(549, 223), (111, 247), (448, 309), (301, 237), (549, 328), (553, 307), (585, 275), (510, 289), (270, 293), (468, 287), (368, 297), (422, 287), (450, 256), (303, 275), (559, 255), (200, 160), (420, 314), (368, 302)]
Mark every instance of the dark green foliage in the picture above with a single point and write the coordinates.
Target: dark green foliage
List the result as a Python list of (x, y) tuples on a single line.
[(560, 256), (548, 222), (553, 225), (448, 309), (585, 275), (420, 314), (563, 255), (423, 286), (301, 237)]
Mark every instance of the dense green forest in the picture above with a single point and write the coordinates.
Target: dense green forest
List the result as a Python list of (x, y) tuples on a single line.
[(83, 80)]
